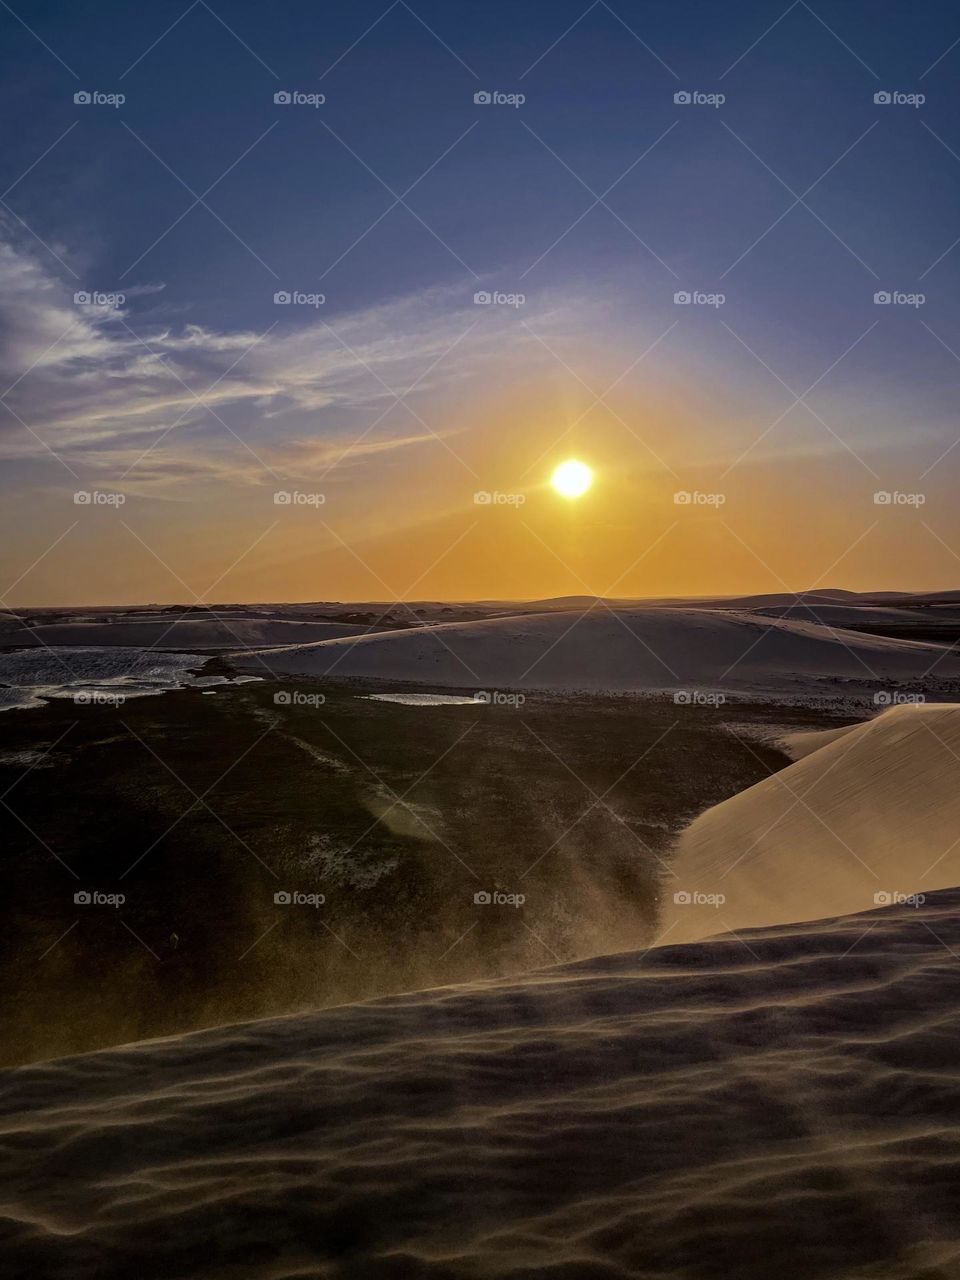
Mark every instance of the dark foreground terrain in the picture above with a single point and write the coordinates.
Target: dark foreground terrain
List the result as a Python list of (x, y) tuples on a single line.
[(199, 810)]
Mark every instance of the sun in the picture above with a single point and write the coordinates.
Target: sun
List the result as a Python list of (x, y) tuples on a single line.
[(572, 478)]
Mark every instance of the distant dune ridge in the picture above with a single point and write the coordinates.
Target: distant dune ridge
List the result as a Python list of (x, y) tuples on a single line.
[(620, 650), (777, 643), (838, 615), (228, 632)]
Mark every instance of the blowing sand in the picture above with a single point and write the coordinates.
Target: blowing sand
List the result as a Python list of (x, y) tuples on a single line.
[(782, 1105)]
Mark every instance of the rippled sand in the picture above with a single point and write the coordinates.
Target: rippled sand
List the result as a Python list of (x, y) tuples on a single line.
[(785, 1105)]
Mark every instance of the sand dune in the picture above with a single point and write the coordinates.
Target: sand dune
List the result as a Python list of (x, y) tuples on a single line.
[(626, 649), (785, 1104), (869, 814), (230, 625), (776, 599)]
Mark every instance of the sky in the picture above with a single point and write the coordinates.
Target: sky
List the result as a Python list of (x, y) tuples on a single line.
[(306, 302)]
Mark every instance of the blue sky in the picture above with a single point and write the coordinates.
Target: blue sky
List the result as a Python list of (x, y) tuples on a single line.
[(598, 199)]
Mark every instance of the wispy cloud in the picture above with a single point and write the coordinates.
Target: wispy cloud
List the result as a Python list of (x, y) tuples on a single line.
[(117, 391)]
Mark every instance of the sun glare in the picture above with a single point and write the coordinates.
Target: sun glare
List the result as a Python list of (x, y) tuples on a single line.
[(572, 478)]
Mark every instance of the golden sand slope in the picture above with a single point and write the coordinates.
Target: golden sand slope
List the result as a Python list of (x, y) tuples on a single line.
[(871, 814), (784, 1106)]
